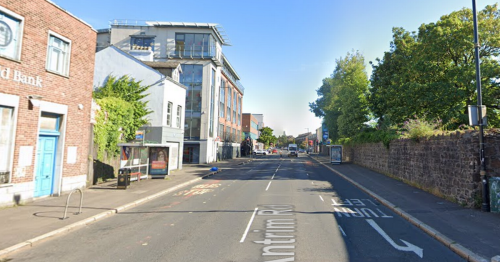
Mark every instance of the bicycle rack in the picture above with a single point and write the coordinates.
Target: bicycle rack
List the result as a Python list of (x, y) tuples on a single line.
[(67, 203)]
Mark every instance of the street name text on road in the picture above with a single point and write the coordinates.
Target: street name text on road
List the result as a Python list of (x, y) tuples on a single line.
[(279, 233)]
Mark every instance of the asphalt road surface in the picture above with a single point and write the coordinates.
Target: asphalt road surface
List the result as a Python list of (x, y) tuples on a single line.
[(274, 209)]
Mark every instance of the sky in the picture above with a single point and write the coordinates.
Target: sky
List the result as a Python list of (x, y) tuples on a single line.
[(283, 49)]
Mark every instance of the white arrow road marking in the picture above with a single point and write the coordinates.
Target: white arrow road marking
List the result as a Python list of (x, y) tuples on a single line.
[(408, 247)]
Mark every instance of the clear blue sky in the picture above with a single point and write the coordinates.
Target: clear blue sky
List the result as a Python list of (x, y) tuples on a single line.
[(282, 49)]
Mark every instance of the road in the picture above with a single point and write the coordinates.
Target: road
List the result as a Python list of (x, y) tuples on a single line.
[(274, 209)]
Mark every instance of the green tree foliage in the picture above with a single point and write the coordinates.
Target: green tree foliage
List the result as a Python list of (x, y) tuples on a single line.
[(132, 92), (342, 98), (282, 140), (266, 136), (115, 113), (431, 74)]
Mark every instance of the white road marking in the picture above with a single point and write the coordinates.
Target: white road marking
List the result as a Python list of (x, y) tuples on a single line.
[(342, 230), (249, 224), (268, 185), (321, 198), (408, 247)]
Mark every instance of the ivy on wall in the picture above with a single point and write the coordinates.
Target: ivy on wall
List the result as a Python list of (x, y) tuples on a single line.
[(123, 112)]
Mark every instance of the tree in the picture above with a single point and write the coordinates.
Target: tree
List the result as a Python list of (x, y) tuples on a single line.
[(342, 97), (431, 75), (266, 136), (115, 113), (282, 140), (132, 92)]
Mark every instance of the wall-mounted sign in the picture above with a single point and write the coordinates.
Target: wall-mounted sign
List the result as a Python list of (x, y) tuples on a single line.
[(17, 76), (139, 135)]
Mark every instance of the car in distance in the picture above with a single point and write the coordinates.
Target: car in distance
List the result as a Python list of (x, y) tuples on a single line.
[(260, 152), (275, 151)]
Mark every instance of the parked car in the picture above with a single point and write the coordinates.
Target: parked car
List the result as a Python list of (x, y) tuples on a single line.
[(275, 151), (260, 152)]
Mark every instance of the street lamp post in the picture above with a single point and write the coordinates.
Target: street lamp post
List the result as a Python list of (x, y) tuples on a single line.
[(485, 207)]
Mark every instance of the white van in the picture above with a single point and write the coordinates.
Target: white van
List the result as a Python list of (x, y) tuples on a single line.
[(292, 150)]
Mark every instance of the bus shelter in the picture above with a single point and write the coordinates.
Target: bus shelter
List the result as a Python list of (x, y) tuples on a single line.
[(145, 160)]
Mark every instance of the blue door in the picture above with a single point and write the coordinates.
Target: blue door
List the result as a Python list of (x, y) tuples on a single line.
[(46, 155)]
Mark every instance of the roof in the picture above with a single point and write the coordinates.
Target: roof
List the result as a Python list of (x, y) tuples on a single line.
[(218, 29)]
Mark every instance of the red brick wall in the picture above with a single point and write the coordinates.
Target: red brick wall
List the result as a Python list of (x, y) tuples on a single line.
[(40, 17), (223, 120)]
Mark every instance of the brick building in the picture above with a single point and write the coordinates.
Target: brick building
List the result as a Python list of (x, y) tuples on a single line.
[(46, 77), (250, 126)]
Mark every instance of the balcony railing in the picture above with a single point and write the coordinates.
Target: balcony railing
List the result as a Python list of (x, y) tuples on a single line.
[(233, 80), (193, 52)]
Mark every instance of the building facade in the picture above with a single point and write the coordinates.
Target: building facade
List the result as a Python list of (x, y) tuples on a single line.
[(250, 126), (46, 72), (165, 99), (260, 121), (198, 48), (230, 117)]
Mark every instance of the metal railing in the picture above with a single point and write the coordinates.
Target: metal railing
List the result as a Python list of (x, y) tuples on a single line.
[(192, 51)]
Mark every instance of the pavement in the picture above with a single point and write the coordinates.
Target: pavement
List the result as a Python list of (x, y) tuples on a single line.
[(470, 233), (473, 234)]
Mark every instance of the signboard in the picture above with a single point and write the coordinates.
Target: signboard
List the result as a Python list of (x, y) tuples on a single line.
[(158, 161), (336, 154), (139, 135)]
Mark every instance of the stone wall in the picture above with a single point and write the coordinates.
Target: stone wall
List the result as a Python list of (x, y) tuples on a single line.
[(445, 165)]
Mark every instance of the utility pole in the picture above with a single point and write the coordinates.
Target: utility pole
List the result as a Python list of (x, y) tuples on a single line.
[(485, 207)]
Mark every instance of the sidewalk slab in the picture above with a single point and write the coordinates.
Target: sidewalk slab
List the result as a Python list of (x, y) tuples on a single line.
[(473, 234), (42, 218)]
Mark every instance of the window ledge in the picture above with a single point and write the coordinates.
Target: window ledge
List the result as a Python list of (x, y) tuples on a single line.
[(57, 73)]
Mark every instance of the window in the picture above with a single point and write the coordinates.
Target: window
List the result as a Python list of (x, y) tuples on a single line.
[(169, 114), (6, 132), (58, 54), (234, 107), (239, 110), (222, 97), (212, 104), (191, 77), (142, 43), (179, 114), (11, 29), (221, 132), (227, 136), (229, 105), (194, 45)]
